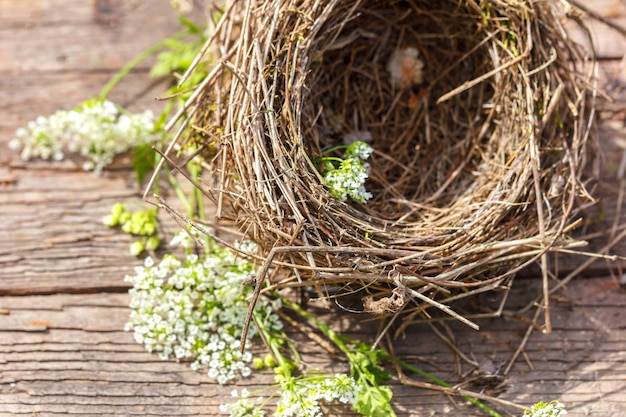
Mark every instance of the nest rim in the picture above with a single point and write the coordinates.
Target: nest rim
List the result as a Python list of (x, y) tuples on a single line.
[(261, 109)]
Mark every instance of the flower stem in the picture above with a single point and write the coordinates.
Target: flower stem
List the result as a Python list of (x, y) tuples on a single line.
[(104, 93), (328, 332), (272, 342)]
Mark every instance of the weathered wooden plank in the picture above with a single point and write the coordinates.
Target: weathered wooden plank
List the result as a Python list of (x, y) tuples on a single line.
[(67, 354), (34, 13), (42, 221), (569, 364), (58, 303), (34, 34), (608, 42)]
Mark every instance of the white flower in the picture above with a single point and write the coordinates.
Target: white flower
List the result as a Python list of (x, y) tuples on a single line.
[(541, 409), (15, 144), (247, 246), (95, 130), (195, 308), (182, 238), (359, 150), (243, 407), (302, 396), (348, 180)]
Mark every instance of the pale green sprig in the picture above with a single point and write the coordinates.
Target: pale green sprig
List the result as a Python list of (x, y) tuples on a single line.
[(97, 130), (193, 308), (359, 150), (142, 223), (348, 178), (372, 398), (244, 406), (541, 409), (303, 396), (300, 396)]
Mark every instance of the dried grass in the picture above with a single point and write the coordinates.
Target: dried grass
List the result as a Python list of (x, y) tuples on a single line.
[(476, 173)]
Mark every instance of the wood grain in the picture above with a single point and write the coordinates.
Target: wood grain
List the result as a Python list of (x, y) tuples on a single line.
[(66, 352), (63, 301)]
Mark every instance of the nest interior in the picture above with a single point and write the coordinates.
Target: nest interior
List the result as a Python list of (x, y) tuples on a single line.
[(478, 155)]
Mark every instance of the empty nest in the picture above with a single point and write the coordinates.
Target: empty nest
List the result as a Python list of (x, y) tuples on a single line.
[(479, 142)]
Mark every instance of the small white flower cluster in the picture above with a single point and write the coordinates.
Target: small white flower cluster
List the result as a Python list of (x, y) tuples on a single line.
[(359, 150), (184, 239), (348, 180), (194, 309), (299, 397), (97, 130), (551, 409), (244, 406)]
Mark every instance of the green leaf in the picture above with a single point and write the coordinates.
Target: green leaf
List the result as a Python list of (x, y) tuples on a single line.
[(144, 161), (174, 45), (374, 401), (90, 103), (192, 27), (161, 68), (373, 359), (216, 16)]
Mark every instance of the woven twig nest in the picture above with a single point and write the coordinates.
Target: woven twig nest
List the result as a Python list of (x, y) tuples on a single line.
[(479, 141)]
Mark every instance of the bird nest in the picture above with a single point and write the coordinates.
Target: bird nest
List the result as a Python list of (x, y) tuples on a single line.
[(477, 113)]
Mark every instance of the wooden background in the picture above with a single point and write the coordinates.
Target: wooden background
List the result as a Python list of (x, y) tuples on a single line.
[(63, 302)]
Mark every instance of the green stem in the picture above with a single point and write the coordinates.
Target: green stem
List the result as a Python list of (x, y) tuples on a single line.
[(334, 148), (328, 332), (197, 198), (157, 186), (136, 61), (274, 345), (329, 159), (180, 194)]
